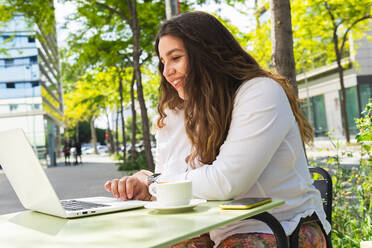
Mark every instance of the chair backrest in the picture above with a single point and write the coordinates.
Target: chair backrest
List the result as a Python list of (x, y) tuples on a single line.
[(325, 187)]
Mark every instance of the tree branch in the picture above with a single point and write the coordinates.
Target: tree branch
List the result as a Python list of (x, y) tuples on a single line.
[(349, 29), (130, 6), (331, 14), (114, 11)]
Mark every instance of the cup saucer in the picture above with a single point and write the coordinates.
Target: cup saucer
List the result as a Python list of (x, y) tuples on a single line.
[(156, 206)]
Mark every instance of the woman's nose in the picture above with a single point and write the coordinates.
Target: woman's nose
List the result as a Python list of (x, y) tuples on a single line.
[(168, 71)]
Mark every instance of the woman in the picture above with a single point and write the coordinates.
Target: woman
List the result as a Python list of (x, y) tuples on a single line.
[(232, 128)]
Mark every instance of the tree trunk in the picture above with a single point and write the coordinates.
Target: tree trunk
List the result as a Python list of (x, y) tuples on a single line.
[(110, 138), (93, 134), (343, 103), (77, 132), (341, 78), (137, 71), (282, 40), (122, 117), (117, 132), (134, 122)]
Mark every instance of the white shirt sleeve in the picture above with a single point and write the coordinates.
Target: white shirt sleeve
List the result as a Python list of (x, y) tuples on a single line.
[(261, 119)]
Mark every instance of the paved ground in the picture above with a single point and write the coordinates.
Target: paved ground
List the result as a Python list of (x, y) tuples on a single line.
[(68, 181), (88, 179), (350, 155)]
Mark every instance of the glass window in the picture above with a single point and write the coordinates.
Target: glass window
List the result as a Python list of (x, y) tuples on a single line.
[(13, 107), (317, 116), (31, 39), (10, 85), (33, 59), (9, 62), (352, 109), (365, 93), (36, 106), (35, 84), (320, 120)]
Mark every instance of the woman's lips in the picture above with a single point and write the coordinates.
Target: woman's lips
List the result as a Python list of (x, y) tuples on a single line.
[(177, 83)]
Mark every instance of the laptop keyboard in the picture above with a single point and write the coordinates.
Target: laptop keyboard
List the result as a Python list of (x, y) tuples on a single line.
[(74, 205)]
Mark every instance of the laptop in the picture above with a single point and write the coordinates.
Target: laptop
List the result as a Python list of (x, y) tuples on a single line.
[(34, 190)]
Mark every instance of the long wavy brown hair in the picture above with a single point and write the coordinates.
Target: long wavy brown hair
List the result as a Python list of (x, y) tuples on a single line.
[(217, 66)]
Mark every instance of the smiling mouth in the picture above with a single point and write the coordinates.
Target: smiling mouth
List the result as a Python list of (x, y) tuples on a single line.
[(177, 83)]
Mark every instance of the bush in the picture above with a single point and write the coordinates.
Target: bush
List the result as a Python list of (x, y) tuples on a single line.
[(352, 189), (139, 162), (351, 214), (364, 124)]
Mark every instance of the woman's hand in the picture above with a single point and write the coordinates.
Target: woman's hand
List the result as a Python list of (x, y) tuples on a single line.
[(130, 187)]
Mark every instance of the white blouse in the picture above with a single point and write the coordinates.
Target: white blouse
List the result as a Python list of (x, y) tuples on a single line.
[(262, 156)]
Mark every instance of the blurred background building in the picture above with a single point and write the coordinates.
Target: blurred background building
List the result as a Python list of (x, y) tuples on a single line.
[(320, 89), (31, 94)]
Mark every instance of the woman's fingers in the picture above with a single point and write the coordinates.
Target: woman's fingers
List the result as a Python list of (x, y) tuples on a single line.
[(143, 196), (127, 188), (114, 187), (108, 186), (132, 185), (122, 188)]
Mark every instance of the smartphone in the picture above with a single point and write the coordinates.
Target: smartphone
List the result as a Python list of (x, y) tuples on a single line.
[(245, 203)]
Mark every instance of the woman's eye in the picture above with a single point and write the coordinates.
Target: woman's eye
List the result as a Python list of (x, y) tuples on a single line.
[(176, 58)]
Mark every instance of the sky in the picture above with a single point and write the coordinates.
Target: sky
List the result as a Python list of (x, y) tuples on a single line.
[(237, 18)]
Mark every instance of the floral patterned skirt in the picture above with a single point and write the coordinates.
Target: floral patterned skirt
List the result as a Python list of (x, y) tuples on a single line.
[(310, 236)]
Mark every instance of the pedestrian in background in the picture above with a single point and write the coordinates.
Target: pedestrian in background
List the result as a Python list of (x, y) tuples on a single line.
[(67, 153), (77, 146)]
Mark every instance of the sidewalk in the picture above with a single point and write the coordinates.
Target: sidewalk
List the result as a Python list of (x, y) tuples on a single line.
[(83, 180), (322, 148), (87, 160), (91, 158)]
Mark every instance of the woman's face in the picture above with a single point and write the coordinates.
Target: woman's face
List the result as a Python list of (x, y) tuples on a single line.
[(174, 58)]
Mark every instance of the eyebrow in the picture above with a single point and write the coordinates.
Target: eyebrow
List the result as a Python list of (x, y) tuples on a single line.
[(174, 50)]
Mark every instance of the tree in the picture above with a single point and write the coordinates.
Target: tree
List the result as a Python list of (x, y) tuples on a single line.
[(339, 19), (342, 24), (321, 32), (93, 94), (282, 40), (5, 16), (129, 14), (131, 22)]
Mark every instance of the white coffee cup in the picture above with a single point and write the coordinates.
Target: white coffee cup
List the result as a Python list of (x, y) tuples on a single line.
[(169, 194)]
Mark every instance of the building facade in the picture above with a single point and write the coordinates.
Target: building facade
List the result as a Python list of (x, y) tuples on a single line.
[(31, 94), (320, 91)]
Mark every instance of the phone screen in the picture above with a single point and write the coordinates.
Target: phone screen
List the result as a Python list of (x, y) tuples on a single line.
[(245, 203)]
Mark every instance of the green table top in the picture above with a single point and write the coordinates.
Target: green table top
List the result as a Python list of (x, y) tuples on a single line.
[(134, 228)]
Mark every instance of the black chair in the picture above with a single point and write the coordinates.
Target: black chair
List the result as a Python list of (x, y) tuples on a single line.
[(325, 187), (276, 227)]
